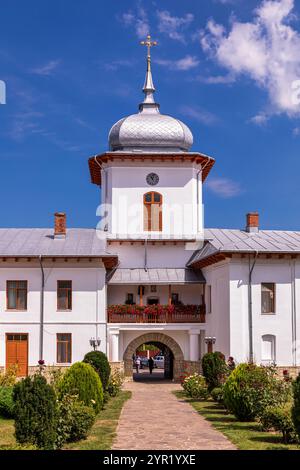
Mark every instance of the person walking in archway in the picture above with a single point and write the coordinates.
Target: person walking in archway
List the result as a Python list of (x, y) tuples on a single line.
[(151, 365), (137, 364)]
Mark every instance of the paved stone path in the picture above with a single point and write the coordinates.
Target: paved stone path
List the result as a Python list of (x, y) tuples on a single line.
[(154, 419)]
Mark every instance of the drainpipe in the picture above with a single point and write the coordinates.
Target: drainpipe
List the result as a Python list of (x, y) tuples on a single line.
[(42, 310), (294, 315), (250, 319), (197, 179), (198, 208), (146, 255)]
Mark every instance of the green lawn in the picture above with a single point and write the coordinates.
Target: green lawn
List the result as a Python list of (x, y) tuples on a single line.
[(7, 430), (100, 438), (246, 436)]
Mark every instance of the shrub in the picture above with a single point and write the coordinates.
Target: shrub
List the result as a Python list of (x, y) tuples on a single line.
[(217, 394), (214, 369), (296, 405), (74, 420), (115, 383), (9, 377), (250, 389), (99, 361), (195, 386), (83, 418), (35, 412), (55, 376), (82, 380), (279, 418), (6, 402)]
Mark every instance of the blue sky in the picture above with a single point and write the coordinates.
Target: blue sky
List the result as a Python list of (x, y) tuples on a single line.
[(225, 67)]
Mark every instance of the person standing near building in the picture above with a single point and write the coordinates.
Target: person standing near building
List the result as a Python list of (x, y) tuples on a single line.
[(231, 363), (150, 364), (137, 364)]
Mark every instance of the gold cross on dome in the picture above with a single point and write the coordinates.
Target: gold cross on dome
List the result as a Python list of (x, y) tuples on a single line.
[(149, 44)]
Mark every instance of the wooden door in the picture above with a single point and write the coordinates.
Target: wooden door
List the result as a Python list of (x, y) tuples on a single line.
[(17, 352)]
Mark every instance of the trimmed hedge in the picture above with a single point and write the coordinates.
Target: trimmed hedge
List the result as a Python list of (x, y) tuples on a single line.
[(296, 405), (98, 360), (35, 409), (82, 419), (74, 420), (250, 389), (195, 386), (214, 369), (279, 418), (82, 380), (217, 394)]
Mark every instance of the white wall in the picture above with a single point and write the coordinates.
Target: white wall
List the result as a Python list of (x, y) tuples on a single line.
[(87, 318), (158, 255), (126, 185), (278, 324), (229, 319), (218, 321)]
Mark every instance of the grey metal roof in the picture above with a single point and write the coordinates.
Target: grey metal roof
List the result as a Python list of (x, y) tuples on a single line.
[(156, 276), (40, 241), (232, 240)]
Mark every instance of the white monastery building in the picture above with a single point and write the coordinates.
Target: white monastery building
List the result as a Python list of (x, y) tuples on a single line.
[(150, 272)]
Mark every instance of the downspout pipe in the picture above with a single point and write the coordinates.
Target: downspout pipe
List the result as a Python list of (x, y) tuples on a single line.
[(146, 255), (41, 351), (250, 313), (197, 182)]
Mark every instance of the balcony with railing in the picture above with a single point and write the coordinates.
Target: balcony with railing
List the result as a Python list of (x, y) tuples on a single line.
[(156, 314)]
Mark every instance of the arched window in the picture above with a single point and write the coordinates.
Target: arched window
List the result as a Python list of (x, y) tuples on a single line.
[(152, 212), (268, 352)]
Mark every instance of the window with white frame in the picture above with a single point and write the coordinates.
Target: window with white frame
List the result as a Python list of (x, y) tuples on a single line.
[(268, 350)]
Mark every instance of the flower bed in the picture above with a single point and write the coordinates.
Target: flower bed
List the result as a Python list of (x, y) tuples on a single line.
[(157, 313)]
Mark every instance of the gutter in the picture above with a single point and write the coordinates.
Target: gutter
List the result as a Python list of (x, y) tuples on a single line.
[(41, 346)]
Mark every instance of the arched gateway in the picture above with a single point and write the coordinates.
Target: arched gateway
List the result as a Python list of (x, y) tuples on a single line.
[(178, 358)]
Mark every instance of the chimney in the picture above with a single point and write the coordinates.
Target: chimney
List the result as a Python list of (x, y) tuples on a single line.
[(252, 224), (60, 225)]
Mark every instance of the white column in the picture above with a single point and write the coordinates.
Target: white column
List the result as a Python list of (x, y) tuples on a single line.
[(115, 346), (194, 345)]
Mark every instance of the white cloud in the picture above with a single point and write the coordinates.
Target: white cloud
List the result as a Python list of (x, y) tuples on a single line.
[(225, 2), (296, 131), (267, 50), (216, 79), (46, 69), (198, 114), (116, 64), (25, 124), (173, 26), (223, 187), (127, 18), (139, 20), (186, 63), (260, 119)]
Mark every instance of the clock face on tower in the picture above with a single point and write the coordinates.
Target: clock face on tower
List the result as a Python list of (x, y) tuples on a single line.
[(152, 179)]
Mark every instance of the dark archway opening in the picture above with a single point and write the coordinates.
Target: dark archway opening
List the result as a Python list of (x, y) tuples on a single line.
[(163, 362)]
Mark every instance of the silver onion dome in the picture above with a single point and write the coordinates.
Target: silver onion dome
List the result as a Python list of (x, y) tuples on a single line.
[(148, 130)]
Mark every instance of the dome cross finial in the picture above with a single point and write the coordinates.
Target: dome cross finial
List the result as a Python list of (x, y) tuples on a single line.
[(149, 105), (149, 44)]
